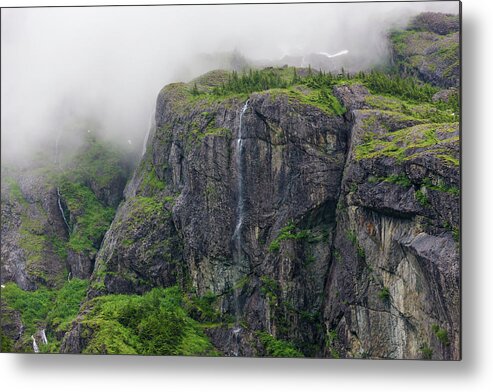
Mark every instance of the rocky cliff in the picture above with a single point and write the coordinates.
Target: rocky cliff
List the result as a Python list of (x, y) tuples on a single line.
[(348, 218)]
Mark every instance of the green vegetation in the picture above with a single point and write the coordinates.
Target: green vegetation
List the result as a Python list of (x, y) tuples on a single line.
[(360, 251), (440, 185), (337, 255), (456, 234), (420, 51), (6, 343), (15, 191), (398, 179), (253, 80), (160, 322), (93, 217), (33, 305), (278, 348), (321, 98), (288, 232), (426, 351), (393, 84), (46, 308), (97, 162), (330, 340), (155, 323), (65, 304), (406, 143), (269, 289), (406, 97), (422, 198), (203, 309), (441, 334), (352, 237), (384, 294), (151, 182), (145, 208), (320, 86)]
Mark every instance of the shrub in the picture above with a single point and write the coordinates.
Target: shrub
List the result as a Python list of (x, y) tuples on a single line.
[(156, 323), (399, 179), (422, 198), (351, 235), (277, 347), (52, 308), (441, 334), (384, 294), (288, 232), (426, 351)]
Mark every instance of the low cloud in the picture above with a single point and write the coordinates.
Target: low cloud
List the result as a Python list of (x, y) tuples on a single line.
[(107, 65)]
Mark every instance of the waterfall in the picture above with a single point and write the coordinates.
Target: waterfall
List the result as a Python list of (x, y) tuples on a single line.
[(240, 210), (58, 194), (241, 197), (35, 345), (43, 337), (59, 199), (150, 128)]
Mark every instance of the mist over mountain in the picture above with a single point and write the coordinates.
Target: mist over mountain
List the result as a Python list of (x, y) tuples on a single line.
[(64, 68)]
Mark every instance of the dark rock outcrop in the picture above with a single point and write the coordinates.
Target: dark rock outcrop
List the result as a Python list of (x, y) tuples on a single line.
[(349, 232)]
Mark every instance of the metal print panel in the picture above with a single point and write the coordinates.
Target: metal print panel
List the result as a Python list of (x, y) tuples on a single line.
[(270, 180)]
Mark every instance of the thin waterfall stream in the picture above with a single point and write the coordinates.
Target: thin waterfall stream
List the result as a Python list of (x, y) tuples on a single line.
[(35, 345), (237, 235), (43, 336)]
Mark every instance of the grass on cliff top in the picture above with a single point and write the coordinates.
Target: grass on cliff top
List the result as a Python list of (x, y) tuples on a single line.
[(156, 323), (410, 142), (315, 89)]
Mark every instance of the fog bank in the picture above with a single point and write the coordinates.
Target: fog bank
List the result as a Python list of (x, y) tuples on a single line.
[(107, 65)]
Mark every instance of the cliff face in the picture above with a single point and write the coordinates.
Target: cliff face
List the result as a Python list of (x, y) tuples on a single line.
[(348, 223), (193, 178), (32, 230), (393, 289), (54, 215)]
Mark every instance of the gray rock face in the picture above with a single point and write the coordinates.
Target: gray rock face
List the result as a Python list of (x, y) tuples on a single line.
[(393, 287), (294, 156), (345, 250), (31, 223), (44, 204)]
